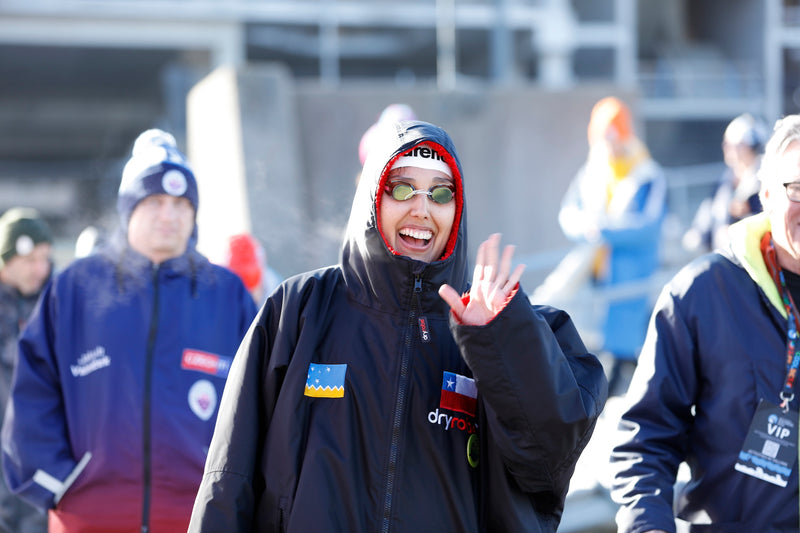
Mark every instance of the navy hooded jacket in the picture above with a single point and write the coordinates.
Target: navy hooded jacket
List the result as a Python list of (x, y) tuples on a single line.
[(354, 404)]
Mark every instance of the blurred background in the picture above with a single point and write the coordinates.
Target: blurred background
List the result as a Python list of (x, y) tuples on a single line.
[(270, 98)]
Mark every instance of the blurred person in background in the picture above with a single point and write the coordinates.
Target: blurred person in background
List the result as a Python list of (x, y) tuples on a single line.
[(123, 361), (715, 386), (90, 240), (26, 265), (617, 202), (385, 393), (736, 194), (246, 257), (390, 115)]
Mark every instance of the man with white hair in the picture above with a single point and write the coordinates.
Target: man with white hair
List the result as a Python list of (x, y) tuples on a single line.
[(715, 384)]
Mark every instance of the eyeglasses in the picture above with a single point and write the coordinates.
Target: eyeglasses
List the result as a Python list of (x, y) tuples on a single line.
[(441, 194), (793, 190)]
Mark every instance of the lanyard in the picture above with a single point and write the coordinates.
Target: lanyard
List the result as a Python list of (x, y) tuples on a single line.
[(792, 352)]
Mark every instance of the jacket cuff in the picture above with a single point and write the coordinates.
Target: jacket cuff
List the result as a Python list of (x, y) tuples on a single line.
[(58, 488)]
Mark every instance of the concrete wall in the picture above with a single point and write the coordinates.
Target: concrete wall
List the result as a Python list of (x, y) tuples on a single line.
[(242, 140), (299, 151)]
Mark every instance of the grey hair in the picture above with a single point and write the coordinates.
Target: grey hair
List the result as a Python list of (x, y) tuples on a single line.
[(785, 132)]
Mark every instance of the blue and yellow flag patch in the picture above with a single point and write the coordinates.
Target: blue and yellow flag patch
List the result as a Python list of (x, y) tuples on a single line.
[(325, 381)]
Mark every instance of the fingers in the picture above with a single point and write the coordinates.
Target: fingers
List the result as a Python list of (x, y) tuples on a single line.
[(514, 278), (505, 263), (499, 277), (493, 278), (490, 245), (492, 283), (478, 271), (453, 299)]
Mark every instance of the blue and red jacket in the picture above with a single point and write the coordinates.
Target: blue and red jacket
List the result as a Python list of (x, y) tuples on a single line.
[(114, 400)]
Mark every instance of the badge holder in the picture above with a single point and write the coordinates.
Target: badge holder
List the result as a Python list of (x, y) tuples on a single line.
[(770, 448)]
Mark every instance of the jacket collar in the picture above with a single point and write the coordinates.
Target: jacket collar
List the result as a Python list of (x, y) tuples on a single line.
[(136, 269), (745, 246)]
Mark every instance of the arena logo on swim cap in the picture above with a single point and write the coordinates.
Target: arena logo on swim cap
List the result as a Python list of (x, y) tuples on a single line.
[(174, 182), (423, 156)]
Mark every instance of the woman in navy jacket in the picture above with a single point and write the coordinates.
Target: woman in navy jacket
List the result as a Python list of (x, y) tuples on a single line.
[(360, 402)]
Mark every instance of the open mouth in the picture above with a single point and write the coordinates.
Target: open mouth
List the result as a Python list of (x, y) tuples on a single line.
[(416, 238)]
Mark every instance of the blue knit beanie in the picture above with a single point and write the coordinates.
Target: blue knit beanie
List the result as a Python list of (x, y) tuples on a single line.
[(155, 167)]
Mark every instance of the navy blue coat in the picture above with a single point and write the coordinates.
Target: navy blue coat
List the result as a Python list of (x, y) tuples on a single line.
[(715, 347), (387, 450)]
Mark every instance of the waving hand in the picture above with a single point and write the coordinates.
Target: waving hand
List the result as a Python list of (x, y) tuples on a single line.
[(492, 283)]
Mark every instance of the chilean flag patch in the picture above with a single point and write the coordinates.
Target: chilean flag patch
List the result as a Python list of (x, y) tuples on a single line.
[(459, 393)]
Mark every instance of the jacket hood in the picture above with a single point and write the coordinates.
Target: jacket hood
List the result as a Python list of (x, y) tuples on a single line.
[(745, 247), (372, 270)]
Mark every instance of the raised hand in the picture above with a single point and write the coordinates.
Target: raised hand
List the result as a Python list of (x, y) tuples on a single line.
[(491, 284)]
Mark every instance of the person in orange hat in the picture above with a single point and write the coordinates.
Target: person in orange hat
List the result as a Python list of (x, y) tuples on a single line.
[(617, 202)]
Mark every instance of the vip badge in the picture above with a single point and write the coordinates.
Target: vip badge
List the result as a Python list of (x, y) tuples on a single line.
[(769, 451)]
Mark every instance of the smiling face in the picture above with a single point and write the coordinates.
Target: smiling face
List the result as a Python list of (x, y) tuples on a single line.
[(418, 227), (784, 215)]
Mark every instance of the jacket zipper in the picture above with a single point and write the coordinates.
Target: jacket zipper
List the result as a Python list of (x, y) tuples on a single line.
[(146, 419), (399, 410)]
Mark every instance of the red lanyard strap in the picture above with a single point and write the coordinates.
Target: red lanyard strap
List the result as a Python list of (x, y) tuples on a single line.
[(792, 353)]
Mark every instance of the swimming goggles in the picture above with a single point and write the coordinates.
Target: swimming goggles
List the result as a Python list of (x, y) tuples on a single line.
[(441, 194)]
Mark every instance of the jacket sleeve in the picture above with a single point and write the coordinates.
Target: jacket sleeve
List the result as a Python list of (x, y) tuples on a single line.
[(653, 432), (227, 496), (541, 389), (37, 459)]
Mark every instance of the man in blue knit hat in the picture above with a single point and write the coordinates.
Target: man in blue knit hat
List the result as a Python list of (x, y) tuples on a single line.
[(123, 362)]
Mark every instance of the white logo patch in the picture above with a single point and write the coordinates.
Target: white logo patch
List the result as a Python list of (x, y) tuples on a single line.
[(174, 182), (203, 399), (24, 245), (90, 361)]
